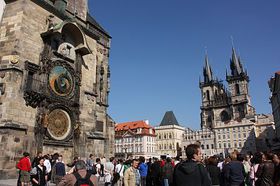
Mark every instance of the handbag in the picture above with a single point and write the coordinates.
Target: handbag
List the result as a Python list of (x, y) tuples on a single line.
[(116, 176)]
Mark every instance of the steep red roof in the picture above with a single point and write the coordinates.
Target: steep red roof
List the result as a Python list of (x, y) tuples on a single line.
[(132, 125)]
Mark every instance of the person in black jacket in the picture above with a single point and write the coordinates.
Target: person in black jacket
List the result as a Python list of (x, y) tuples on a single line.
[(265, 171), (39, 175), (214, 170), (191, 172), (155, 172), (234, 171)]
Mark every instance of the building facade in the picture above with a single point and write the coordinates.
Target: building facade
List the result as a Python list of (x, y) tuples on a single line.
[(274, 85), (54, 82), (135, 139), (228, 120), (204, 137), (169, 136)]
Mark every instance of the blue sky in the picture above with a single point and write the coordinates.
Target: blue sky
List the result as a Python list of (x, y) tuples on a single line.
[(158, 49)]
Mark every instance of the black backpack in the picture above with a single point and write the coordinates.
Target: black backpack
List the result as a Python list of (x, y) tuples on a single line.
[(83, 181), (91, 168), (102, 170)]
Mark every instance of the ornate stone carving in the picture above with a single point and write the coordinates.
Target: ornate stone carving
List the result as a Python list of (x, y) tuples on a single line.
[(59, 124), (67, 50), (77, 130), (14, 59), (50, 22)]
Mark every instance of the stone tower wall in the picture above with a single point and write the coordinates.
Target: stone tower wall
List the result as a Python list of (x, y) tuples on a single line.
[(78, 6)]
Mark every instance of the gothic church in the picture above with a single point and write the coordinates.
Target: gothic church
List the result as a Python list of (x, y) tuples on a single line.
[(228, 120)]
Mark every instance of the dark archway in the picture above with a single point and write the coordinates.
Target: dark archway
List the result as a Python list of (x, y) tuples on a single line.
[(225, 116)]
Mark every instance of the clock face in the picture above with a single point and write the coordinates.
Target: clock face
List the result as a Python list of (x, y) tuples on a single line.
[(59, 124), (61, 81)]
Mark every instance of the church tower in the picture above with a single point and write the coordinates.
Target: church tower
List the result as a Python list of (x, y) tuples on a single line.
[(238, 82), (214, 97)]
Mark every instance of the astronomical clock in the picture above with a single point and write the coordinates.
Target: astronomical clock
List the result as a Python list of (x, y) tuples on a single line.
[(53, 86)]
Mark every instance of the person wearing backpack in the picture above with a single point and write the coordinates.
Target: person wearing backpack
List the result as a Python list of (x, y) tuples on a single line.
[(80, 176), (90, 165)]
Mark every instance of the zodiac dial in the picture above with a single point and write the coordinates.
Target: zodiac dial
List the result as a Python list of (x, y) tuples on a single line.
[(61, 81), (59, 124)]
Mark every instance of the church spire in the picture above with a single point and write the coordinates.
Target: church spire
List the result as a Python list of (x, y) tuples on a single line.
[(235, 65), (207, 71)]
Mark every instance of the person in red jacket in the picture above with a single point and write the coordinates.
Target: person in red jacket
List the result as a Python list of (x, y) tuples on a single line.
[(24, 165)]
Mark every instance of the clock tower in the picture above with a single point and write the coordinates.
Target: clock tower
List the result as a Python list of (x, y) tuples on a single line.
[(54, 82)]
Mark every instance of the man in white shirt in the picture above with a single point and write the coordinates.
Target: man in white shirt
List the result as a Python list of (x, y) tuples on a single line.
[(119, 169), (108, 171), (48, 166)]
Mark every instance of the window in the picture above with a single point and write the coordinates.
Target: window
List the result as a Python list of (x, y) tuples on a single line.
[(220, 145), (208, 95), (99, 126), (224, 116), (225, 145), (207, 146), (212, 146), (202, 146), (244, 135), (229, 146), (237, 89), (241, 111)]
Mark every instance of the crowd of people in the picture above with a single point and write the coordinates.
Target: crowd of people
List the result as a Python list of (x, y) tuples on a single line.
[(259, 169)]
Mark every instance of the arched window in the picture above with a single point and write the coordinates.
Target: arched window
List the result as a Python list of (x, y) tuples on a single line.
[(224, 116), (209, 119), (207, 95), (237, 89), (241, 111)]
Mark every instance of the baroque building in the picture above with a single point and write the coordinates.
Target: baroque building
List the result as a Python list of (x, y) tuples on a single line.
[(54, 82), (228, 120), (135, 139), (169, 136)]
